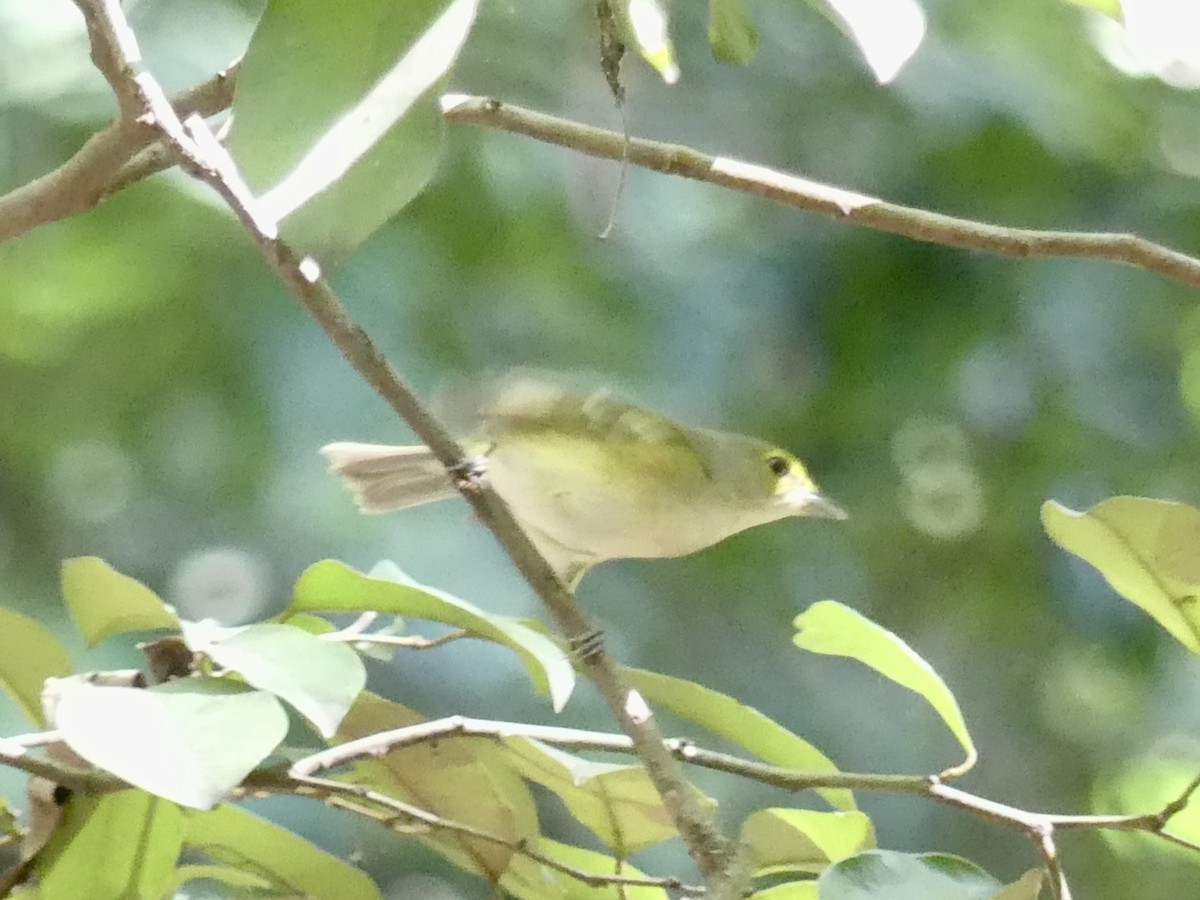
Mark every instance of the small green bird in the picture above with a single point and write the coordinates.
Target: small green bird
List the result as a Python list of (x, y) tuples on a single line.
[(592, 477)]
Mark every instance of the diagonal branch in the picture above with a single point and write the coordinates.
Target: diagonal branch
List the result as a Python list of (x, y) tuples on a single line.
[(197, 151)]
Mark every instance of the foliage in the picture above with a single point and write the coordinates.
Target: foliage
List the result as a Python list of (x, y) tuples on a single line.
[(159, 399)]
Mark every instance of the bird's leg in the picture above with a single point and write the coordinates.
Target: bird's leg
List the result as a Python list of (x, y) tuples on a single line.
[(469, 474), (587, 646)]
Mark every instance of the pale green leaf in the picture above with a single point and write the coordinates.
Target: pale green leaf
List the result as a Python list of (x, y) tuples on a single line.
[(336, 118), (319, 678), (1110, 8), (103, 602), (836, 630), (804, 840), (467, 780), (1148, 550), (1027, 887), (29, 654), (649, 24), (294, 866), (247, 882), (731, 32), (528, 879), (741, 724), (793, 890), (121, 846), (331, 586), (191, 740), (618, 803), (887, 875)]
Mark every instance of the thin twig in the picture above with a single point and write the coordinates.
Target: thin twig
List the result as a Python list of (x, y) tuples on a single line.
[(860, 209), (106, 164), (110, 160), (410, 642), (141, 99), (398, 809), (1043, 840)]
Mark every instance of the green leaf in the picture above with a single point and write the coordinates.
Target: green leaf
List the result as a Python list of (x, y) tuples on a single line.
[(292, 865), (1110, 8), (887, 875), (743, 725), (29, 654), (1148, 550), (247, 882), (336, 118), (103, 602), (731, 31), (319, 678), (190, 740), (121, 846), (649, 24), (618, 803), (886, 34), (527, 879), (804, 840), (836, 630), (1027, 887), (331, 586), (793, 890), (467, 780)]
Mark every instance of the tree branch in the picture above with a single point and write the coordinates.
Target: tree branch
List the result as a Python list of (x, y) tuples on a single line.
[(141, 100), (106, 164), (839, 203)]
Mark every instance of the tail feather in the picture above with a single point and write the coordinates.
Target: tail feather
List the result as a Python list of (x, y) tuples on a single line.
[(386, 478)]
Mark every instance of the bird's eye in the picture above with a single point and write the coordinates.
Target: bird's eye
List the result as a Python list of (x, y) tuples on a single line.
[(779, 465)]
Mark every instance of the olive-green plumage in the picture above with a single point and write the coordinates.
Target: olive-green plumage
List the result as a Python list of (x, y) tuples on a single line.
[(592, 477)]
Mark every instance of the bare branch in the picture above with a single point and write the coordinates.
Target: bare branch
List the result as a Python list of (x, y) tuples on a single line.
[(111, 160), (839, 203)]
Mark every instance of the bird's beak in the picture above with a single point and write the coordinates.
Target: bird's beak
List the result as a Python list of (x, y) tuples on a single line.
[(813, 505)]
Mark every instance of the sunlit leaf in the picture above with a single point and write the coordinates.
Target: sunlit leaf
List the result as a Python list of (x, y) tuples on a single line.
[(618, 803), (793, 890), (336, 117), (319, 678), (1148, 550), (1027, 887), (528, 879), (736, 722), (248, 882), (29, 654), (1110, 8), (331, 586), (887, 33), (103, 602), (836, 630), (731, 31), (190, 740), (466, 780), (294, 866), (804, 840), (117, 846), (887, 875), (649, 23)]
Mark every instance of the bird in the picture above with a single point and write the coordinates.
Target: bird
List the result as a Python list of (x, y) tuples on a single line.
[(592, 477)]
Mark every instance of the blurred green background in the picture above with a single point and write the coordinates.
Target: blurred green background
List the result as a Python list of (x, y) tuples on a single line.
[(162, 398)]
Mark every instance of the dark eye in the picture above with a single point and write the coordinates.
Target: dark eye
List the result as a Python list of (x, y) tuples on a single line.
[(779, 465)]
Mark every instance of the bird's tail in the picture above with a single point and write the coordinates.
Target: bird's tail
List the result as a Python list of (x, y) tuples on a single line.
[(387, 478)]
